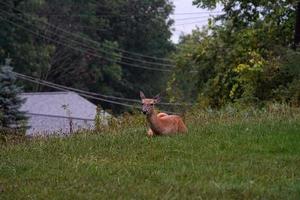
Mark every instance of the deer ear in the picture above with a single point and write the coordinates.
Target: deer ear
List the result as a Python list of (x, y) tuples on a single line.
[(142, 95), (157, 98)]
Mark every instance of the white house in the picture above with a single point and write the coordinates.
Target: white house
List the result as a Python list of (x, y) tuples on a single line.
[(59, 113)]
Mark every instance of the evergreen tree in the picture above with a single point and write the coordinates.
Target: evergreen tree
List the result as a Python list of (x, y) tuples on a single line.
[(10, 101)]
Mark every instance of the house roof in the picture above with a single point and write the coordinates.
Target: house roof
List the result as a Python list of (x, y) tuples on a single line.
[(58, 104)]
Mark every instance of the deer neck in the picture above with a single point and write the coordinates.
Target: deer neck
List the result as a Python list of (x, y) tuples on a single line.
[(154, 122)]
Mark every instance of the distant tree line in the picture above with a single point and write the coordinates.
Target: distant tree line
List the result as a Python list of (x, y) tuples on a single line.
[(244, 56), (88, 44)]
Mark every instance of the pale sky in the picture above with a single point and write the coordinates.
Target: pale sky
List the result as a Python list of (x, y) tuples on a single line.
[(187, 17)]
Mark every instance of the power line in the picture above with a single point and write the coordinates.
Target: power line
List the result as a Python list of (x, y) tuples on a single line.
[(75, 35), (91, 93), (197, 13), (110, 14), (175, 19), (83, 51), (58, 116), (88, 53), (190, 18), (84, 95), (195, 22), (99, 49), (74, 89)]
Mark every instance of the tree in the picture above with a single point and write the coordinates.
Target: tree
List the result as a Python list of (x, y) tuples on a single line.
[(30, 54), (10, 102), (145, 28), (88, 53), (280, 15), (244, 58)]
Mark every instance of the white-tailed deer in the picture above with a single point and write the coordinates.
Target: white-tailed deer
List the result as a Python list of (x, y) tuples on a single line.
[(161, 123)]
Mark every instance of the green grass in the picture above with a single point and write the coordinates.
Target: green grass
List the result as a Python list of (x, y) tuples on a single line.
[(258, 159)]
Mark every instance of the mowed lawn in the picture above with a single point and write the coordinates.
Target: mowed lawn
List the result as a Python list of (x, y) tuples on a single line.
[(244, 160)]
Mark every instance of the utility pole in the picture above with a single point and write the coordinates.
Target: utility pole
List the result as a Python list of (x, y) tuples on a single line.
[(297, 28)]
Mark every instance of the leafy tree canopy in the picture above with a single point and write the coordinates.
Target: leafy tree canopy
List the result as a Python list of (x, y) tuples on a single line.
[(242, 56), (77, 43)]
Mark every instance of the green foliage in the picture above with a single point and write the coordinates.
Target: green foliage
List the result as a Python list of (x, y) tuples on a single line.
[(239, 58), (10, 102), (103, 27), (30, 54)]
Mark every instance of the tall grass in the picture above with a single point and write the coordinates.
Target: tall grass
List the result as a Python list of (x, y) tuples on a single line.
[(228, 154)]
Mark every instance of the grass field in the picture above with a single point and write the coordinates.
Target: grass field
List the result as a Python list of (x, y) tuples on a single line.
[(218, 159)]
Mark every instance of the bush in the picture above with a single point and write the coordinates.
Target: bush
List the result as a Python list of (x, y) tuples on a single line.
[(223, 65)]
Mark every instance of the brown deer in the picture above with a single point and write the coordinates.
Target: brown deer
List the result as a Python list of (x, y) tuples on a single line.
[(160, 123)]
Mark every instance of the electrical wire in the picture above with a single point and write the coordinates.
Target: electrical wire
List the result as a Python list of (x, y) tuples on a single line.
[(197, 13), (191, 18), (74, 89), (88, 96), (83, 51), (81, 94), (58, 116), (92, 93), (96, 49), (75, 35), (120, 62), (189, 23), (110, 14), (88, 53), (175, 19)]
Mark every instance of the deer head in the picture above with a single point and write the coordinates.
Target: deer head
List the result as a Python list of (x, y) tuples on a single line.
[(148, 104)]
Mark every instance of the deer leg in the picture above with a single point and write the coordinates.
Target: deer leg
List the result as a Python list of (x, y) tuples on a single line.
[(150, 132)]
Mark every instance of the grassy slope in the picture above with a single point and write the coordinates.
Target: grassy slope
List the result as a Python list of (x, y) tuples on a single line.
[(238, 161)]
